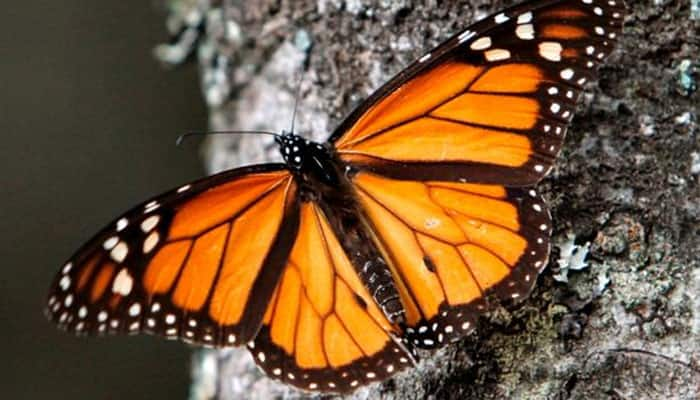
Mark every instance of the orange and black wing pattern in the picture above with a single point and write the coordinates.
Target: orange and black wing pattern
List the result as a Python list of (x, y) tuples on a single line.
[(492, 104), (333, 267), (449, 245), (323, 330), (198, 263)]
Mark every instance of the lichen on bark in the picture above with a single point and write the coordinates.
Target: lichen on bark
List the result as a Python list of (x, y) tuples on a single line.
[(625, 326)]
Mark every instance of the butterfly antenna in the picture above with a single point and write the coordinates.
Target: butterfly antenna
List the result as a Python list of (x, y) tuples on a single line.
[(296, 100), (207, 133)]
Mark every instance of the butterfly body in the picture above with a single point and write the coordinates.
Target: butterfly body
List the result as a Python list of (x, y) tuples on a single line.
[(325, 180), (394, 235)]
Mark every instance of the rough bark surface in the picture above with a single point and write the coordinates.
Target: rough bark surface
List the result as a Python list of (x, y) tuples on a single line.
[(617, 312)]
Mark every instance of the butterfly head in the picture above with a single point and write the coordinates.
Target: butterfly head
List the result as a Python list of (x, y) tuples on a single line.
[(293, 149)]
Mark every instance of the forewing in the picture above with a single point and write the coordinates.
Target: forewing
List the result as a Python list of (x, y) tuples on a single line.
[(198, 263), (490, 105)]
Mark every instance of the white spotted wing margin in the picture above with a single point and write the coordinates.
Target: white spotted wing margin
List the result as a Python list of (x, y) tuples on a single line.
[(394, 358), (101, 290)]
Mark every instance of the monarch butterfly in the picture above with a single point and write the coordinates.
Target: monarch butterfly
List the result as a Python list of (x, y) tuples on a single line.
[(336, 265)]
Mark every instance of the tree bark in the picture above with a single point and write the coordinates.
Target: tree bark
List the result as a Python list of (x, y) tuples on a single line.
[(617, 312)]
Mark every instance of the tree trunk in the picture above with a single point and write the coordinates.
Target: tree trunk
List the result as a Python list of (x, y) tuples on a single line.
[(617, 312)]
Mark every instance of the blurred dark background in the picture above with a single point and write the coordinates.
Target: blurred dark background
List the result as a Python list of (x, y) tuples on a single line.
[(88, 124)]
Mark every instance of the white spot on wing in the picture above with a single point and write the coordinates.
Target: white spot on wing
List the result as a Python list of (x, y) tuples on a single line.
[(481, 43), (150, 242), (64, 283), (149, 223), (466, 35), (110, 243), (119, 252), (551, 51), (525, 32), (151, 206), (567, 73), (66, 268), (501, 18), (121, 224), (123, 283), (525, 18), (135, 309), (497, 55)]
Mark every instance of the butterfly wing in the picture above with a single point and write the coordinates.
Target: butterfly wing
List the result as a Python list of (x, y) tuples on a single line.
[(440, 154), (198, 263), (449, 245), (490, 105), (323, 330)]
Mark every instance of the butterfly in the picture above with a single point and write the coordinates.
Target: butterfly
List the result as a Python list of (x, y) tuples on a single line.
[(336, 265)]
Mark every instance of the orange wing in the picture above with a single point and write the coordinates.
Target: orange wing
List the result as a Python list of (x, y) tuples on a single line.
[(199, 263), (449, 245), (492, 104), (323, 330)]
